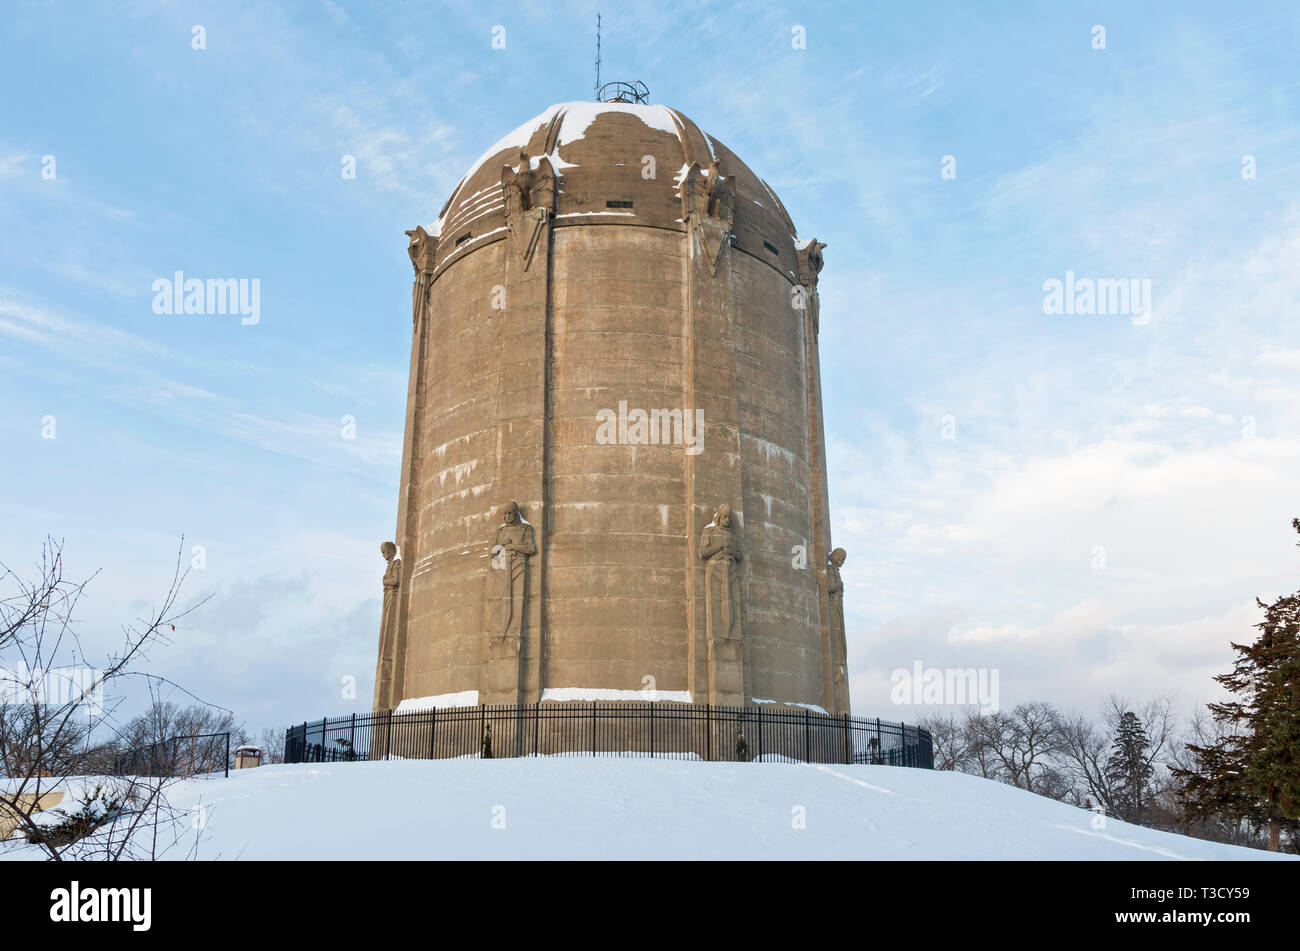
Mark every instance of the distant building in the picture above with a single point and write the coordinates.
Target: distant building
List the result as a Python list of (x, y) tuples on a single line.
[(614, 326)]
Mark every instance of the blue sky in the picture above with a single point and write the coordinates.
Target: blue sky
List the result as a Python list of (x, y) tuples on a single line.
[(1171, 445)]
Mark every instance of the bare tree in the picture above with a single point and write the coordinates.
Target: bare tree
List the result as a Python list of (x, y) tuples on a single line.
[(272, 743), (1084, 747), (1024, 741), (951, 740), (982, 757), (53, 705), (181, 741)]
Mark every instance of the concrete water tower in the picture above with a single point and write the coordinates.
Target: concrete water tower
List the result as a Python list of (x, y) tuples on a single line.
[(614, 326)]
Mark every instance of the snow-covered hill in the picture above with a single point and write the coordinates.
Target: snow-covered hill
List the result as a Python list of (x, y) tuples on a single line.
[(627, 808)]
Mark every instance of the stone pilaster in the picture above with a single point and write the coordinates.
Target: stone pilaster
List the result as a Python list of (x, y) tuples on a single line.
[(716, 665), (391, 672), (834, 692), (512, 672)]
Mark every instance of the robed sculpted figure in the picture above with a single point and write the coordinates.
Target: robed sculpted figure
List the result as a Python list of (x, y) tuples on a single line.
[(388, 621), (835, 599), (511, 546), (721, 553)]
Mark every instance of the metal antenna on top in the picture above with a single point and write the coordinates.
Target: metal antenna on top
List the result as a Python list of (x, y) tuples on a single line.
[(635, 92), (597, 87)]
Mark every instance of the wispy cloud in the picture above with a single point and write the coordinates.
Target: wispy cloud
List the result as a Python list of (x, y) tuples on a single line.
[(75, 338)]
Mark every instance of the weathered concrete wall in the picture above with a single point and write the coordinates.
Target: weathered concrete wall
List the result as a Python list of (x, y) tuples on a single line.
[(615, 583), (782, 623), (457, 471)]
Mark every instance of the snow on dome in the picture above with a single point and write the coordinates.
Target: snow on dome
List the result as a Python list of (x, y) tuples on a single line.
[(476, 207), (578, 117), (516, 139), (575, 119)]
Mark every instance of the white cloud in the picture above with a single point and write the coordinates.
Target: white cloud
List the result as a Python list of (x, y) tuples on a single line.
[(1109, 534)]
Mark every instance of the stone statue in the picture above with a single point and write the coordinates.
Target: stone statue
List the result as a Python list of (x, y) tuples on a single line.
[(721, 193), (721, 554), (515, 186), (702, 194), (835, 599), (707, 193), (388, 621), (525, 188), (421, 249), (809, 258), (511, 546), (708, 206), (529, 197), (542, 193), (392, 578)]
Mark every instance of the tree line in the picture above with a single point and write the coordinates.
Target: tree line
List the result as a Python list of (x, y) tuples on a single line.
[(1230, 773)]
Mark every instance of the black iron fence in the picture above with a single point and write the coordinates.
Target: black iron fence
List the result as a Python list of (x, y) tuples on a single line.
[(177, 756), (604, 728)]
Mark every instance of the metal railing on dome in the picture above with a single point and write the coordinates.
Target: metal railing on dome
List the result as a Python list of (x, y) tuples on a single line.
[(624, 92), (611, 728)]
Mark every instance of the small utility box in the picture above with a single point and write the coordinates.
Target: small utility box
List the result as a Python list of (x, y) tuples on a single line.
[(247, 757)]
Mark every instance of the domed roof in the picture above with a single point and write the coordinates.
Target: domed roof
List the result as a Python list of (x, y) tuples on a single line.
[(618, 163)]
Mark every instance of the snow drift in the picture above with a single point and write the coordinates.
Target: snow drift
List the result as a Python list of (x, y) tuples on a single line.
[(633, 808)]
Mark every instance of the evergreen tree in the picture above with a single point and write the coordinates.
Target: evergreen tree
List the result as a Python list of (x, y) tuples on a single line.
[(1254, 772), (1128, 768)]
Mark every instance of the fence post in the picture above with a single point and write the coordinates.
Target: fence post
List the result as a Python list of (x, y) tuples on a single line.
[(807, 737), (433, 731), (537, 716), (848, 749), (593, 728), (708, 732), (652, 729), (388, 734), (227, 756)]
